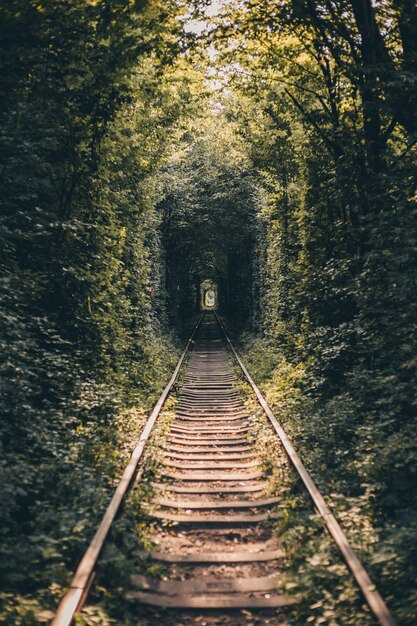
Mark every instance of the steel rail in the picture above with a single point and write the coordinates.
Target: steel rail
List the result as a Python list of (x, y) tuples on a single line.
[(364, 582), (76, 595)]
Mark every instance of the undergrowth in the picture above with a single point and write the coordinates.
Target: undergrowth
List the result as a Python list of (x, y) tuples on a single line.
[(132, 536), (314, 570), (77, 483)]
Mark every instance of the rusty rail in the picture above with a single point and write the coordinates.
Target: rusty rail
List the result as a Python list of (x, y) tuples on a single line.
[(364, 582), (77, 593)]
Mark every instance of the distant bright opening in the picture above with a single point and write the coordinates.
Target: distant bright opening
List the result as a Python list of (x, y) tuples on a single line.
[(208, 295)]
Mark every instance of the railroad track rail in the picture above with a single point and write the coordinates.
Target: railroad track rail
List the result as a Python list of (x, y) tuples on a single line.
[(212, 485)]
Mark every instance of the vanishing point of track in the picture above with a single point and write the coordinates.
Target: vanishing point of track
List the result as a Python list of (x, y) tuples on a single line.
[(213, 486)]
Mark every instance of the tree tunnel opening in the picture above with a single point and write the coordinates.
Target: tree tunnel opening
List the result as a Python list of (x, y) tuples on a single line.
[(209, 225), (208, 295), (227, 290)]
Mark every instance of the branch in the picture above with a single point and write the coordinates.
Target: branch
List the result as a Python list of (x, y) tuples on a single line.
[(329, 145)]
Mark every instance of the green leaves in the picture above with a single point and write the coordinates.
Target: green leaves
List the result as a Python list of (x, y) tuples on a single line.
[(85, 98), (135, 166)]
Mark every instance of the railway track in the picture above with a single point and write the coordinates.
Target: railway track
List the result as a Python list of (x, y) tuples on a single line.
[(212, 485)]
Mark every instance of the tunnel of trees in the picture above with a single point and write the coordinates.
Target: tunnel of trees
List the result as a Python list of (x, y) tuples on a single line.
[(150, 145), (208, 224)]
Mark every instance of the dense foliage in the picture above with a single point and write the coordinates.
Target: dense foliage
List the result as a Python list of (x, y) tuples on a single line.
[(268, 146), (86, 113), (324, 95)]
